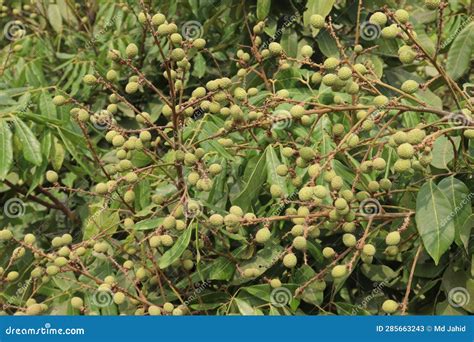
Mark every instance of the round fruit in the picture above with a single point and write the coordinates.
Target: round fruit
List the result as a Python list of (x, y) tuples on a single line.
[(410, 86), (402, 165), (390, 306), (349, 240), (77, 302), (299, 243), (131, 50), (119, 298), (405, 151), (306, 51), (368, 249), (393, 238), (432, 4), (275, 283), (331, 63), (290, 260), (402, 16), (378, 18), (328, 252), (263, 235), (317, 21), (59, 100), (339, 271), (275, 48), (276, 191), (305, 194)]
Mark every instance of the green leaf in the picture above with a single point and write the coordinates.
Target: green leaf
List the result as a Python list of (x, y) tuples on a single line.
[(263, 8), (272, 162), (289, 43), (149, 224), (459, 56), (443, 151), (31, 146), (459, 195), (177, 250), (55, 18), (6, 151), (101, 220), (199, 66), (433, 210)]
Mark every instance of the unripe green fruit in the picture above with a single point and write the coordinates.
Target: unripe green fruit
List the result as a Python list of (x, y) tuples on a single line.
[(392, 251), (416, 136), (101, 188), (5, 234), (402, 165), (405, 151), (51, 176), (59, 100), (60, 261), (373, 186), (393, 238), (119, 298), (168, 307), (297, 230), (368, 249), (331, 63), (390, 306), (141, 273), (275, 48), (317, 21), (353, 140), (328, 252), (378, 18), (275, 283), (158, 19), (101, 247), (154, 310), (349, 227), (190, 158), (299, 243), (400, 138), (240, 93), (339, 271), (118, 140), (407, 56), (215, 169), (337, 183), (385, 184), (338, 129), (402, 16), (250, 272), (316, 78), (379, 164), (276, 191), (305, 194), (297, 111), (469, 133), (340, 203), (52, 270), (178, 54), (344, 73), (34, 310), (131, 177), (12, 276), (131, 87), (176, 38), (320, 191), (306, 51), (155, 241), (380, 101), (169, 222), (263, 235), (290, 260), (77, 302), (307, 153), (358, 48), (129, 196), (410, 86), (432, 4), (288, 152), (349, 240), (89, 79), (282, 170), (199, 43), (36, 272), (390, 32)]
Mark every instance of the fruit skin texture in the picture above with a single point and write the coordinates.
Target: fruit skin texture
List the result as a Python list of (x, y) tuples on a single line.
[(299, 243), (275, 48), (393, 238), (469, 133), (77, 302), (390, 306), (51, 176), (339, 271), (402, 165), (317, 21), (378, 18), (263, 235), (410, 86), (402, 16), (432, 4), (405, 151), (290, 260)]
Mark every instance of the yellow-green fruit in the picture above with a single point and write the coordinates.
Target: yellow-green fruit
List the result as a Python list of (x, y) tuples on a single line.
[(390, 306), (416, 136), (275, 48), (307, 153), (155, 241), (410, 86), (379, 164), (402, 165), (405, 151), (373, 186), (336, 183), (385, 184), (390, 32), (119, 298), (263, 235), (131, 87), (349, 240), (216, 220), (328, 252), (89, 79), (331, 63), (368, 249), (290, 260), (432, 4), (340, 203), (317, 21), (158, 19), (169, 222), (51, 176), (154, 310), (129, 196), (34, 309), (378, 18), (339, 271), (320, 191), (59, 100), (52, 270), (276, 191), (168, 307), (77, 302), (344, 73), (299, 243), (250, 272), (380, 101), (306, 51), (131, 50), (402, 16), (305, 194), (215, 169), (178, 54), (282, 170), (60, 261), (275, 283), (297, 111), (400, 137), (12, 276), (393, 238), (199, 43), (407, 56), (469, 133), (167, 240)]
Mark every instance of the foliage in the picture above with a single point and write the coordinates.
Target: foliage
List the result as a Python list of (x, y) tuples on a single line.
[(236, 157)]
